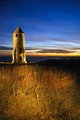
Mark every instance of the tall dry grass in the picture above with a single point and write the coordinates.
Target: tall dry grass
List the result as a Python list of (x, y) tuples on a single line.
[(30, 92)]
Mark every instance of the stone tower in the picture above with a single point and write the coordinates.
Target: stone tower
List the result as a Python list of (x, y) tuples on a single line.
[(18, 54)]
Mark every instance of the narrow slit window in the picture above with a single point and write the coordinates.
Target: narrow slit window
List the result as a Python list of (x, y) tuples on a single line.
[(20, 50), (16, 35)]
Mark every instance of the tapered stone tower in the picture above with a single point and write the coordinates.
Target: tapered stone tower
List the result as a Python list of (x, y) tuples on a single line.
[(18, 53)]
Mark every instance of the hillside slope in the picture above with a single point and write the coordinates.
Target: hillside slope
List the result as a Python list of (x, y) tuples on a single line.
[(32, 92)]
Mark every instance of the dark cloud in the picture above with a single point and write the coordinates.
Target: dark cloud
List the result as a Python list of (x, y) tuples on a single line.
[(54, 51), (75, 48), (41, 50), (5, 48)]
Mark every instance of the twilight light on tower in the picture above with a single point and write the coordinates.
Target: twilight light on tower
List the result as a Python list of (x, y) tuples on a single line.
[(18, 53)]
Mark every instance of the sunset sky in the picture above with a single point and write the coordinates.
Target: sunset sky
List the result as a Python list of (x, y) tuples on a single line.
[(50, 26)]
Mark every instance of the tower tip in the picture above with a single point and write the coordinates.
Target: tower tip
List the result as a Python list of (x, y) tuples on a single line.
[(18, 30)]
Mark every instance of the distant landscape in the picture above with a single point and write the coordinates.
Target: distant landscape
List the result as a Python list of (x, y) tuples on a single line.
[(8, 58), (29, 58)]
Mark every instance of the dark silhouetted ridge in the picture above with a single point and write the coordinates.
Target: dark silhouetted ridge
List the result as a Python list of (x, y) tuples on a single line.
[(61, 62)]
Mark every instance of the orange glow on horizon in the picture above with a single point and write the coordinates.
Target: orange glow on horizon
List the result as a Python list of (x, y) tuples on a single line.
[(53, 54), (74, 54)]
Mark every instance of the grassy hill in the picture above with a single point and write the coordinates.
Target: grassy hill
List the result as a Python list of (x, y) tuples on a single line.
[(37, 92)]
